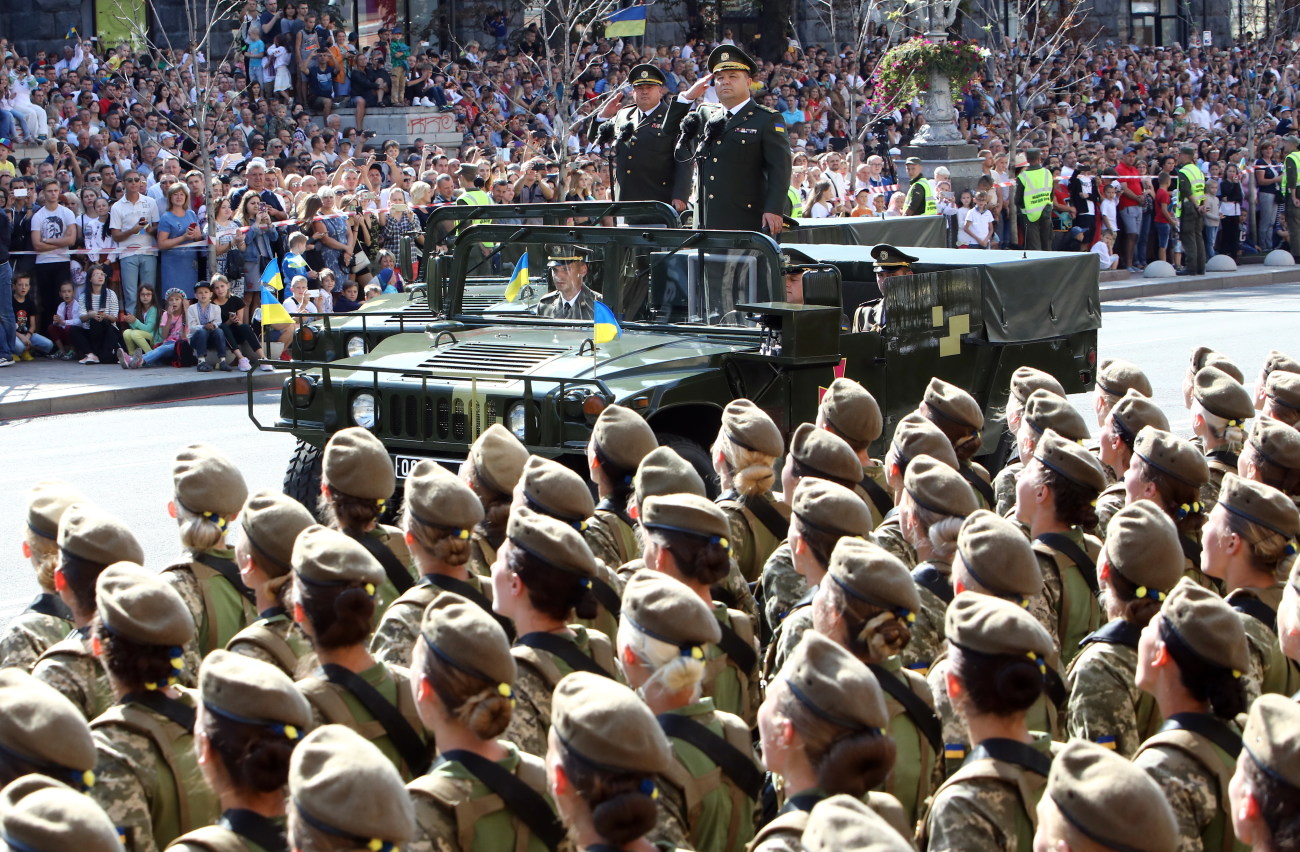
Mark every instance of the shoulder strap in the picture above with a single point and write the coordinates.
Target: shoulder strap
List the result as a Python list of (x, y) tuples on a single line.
[(616, 508), (263, 637), (408, 743), (1014, 752), (173, 711), (977, 482), (217, 838), (606, 596), (230, 572), (735, 764), (1117, 632), (767, 515), (50, 604), (880, 498), (565, 650), (928, 577), (264, 832), (1191, 549), (522, 800), (740, 651), (1256, 609), (168, 708), (393, 568), (471, 594), (1223, 457), (1206, 726), (921, 714), (1064, 545)]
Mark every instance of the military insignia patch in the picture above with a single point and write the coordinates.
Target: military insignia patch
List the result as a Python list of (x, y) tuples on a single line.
[(779, 128), (881, 254)]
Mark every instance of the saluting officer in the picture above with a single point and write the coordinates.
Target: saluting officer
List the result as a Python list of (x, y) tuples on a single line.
[(643, 136), (744, 153)]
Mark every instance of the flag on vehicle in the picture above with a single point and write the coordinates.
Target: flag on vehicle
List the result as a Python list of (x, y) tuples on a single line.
[(626, 22), (606, 327), (518, 278)]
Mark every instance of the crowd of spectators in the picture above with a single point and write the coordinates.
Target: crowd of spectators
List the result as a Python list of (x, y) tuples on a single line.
[(109, 229)]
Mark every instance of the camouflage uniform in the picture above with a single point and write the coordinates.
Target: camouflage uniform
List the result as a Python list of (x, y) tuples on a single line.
[(33, 633), (393, 640), (1193, 792), (787, 636), (889, 535), (731, 589), (73, 670), (276, 639), (1004, 487), (707, 825), (875, 471), (985, 814), (1105, 705), (784, 834), (927, 631), (1109, 502), (332, 704), (747, 546), (611, 539), (1270, 670), (182, 578), (206, 838), (1073, 617), (782, 586), (395, 540), (732, 690), (531, 721), (1220, 462)]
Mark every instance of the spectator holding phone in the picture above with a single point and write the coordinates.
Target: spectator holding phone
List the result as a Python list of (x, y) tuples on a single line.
[(54, 231), (132, 223), (178, 231)]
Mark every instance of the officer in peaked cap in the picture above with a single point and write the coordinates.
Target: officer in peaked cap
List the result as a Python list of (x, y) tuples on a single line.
[(889, 263), (643, 135), (571, 298)]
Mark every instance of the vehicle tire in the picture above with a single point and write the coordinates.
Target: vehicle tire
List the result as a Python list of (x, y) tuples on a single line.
[(302, 478), (696, 455)]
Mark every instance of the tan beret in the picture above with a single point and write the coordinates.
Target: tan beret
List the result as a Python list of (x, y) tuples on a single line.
[(552, 489), (989, 625), (1106, 797), (867, 572), (685, 513), (1260, 504), (465, 636), (748, 426), (605, 723), (97, 537), (46, 503), (827, 507), (141, 606), (844, 824), (852, 411), (664, 471), (342, 784), (1272, 737), (438, 498), (243, 689), (1117, 377), (1222, 395), (1045, 410), (271, 523), (205, 481), (325, 557), (667, 609), (554, 542), (1208, 626), (1280, 361), (1276, 442), (41, 727), (916, 436), (1142, 544), (1284, 389), (1133, 412), (834, 685), (998, 556), (622, 437), (953, 404), (356, 464), (824, 454), (1173, 456), (1026, 380), (936, 487), (40, 815), (1204, 356), (1070, 460), (499, 458)]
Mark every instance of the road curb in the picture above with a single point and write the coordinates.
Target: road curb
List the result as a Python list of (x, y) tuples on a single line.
[(143, 395), (1139, 288)]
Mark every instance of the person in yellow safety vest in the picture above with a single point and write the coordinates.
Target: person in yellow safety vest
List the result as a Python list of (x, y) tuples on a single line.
[(1190, 211), (473, 194), (920, 193), (1290, 196), (1034, 200), (793, 201)]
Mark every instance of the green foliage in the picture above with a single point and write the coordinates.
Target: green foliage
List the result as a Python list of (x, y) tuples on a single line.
[(903, 72)]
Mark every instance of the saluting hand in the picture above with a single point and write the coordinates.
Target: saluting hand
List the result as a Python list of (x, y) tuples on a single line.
[(612, 107), (697, 91)]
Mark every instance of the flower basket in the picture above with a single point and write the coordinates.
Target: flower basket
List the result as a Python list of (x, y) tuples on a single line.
[(904, 71)]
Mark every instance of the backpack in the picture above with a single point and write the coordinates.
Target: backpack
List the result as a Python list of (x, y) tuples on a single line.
[(473, 815)]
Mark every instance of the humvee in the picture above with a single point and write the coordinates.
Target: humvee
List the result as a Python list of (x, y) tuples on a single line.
[(703, 321)]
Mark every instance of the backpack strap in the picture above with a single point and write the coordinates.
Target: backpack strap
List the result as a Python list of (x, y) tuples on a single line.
[(921, 714), (1191, 550), (129, 713), (767, 515), (521, 799), (1014, 752), (1256, 609), (471, 594), (1066, 547), (565, 650), (230, 572), (928, 577), (880, 498), (982, 488), (1207, 726), (266, 833), (266, 639), (740, 652), (409, 744), (735, 764), (1117, 632), (393, 567)]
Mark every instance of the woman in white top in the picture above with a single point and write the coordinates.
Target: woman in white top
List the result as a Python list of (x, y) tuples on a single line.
[(95, 233), (34, 121), (820, 204)]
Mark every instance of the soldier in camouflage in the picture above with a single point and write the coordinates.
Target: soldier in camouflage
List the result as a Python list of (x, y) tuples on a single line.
[(620, 439), (1220, 408), (1115, 378), (1042, 410), (914, 436), (747, 447), (1170, 471), (1125, 418), (492, 469), (42, 731), (851, 412)]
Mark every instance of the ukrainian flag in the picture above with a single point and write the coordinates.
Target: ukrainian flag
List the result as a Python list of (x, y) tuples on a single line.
[(271, 276), (606, 327), (518, 279), (273, 313), (626, 22)]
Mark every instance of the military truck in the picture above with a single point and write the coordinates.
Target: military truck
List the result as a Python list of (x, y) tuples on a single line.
[(703, 321)]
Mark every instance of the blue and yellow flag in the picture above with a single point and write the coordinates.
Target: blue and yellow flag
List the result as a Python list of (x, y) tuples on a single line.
[(626, 22), (271, 276), (72, 33), (273, 313), (518, 279), (606, 327)]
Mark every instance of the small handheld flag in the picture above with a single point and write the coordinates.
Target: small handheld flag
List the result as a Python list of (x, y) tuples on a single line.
[(626, 22), (273, 313), (605, 324), (518, 279), (72, 33), (271, 276)]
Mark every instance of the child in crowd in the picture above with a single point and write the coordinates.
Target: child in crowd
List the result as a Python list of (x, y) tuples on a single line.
[(279, 53), (1104, 249), (1110, 207), (204, 320), (142, 330), (254, 51), (172, 328), (294, 264), (373, 291), (390, 280), (399, 53), (977, 226), (326, 300), (346, 302), (27, 318), (66, 315), (1213, 216)]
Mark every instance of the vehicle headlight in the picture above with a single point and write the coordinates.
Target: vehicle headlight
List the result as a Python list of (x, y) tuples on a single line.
[(517, 419), (365, 413), (356, 345)]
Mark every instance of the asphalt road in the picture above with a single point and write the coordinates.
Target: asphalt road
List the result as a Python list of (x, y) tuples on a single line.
[(121, 459)]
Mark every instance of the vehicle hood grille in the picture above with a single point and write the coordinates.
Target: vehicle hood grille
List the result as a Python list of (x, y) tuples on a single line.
[(501, 359)]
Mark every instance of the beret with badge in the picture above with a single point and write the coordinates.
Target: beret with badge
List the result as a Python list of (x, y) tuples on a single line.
[(466, 637), (342, 785), (867, 572), (622, 438), (999, 557), (1276, 442), (554, 542), (1142, 545), (271, 522), (989, 625), (664, 471), (953, 404), (1070, 460), (1272, 738), (834, 685), (1223, 396), (553, 489), (46, 503), (1045, 410), (247, 691), (1205, 625), (1260, 504), (355, 463), (1026, 380), (1284, 389), (325, 557), (817, 452), (667, 609), (45, 730), (852, 412), (437, 498), (749, 427), (498, 458), (97, 537), (1133, 412), (827, 507), (38, 814), (916, 436), (140, 606), (1117, 377), (936, 487), (1105, 796), (841, 823), (605, 724)]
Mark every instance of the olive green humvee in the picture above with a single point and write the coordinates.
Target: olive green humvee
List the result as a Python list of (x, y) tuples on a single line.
[(703, 321)]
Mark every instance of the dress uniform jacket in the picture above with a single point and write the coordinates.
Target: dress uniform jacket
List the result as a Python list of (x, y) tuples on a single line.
[(644, 166), (744, 166), (584, 305)]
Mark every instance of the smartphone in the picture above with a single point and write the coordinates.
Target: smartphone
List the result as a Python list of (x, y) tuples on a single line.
[(20, 193)]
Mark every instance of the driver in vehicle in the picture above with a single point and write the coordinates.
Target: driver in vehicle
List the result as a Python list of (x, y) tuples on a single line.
[(889, 263), (793, 280), (571, 298)]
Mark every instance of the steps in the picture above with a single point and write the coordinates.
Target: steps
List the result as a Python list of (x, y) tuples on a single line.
[(405, 124)]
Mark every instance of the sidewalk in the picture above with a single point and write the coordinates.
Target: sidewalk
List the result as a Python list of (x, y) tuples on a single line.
[(1131, 285)]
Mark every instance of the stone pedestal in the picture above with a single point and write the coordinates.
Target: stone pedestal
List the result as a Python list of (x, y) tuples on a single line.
[(961, 160)]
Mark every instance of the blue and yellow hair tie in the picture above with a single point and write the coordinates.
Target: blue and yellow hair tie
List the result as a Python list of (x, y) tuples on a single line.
[(694, 652), (906, 614), (85, 779), (381, 503), (648, 788), (289, 732), (1290, 549), (177, 655), (216, 519), (586, 583), (1189, 509), (505, 690), (1040, 660), (462, 535), (1154, 594), (721, 541), (370, 589)]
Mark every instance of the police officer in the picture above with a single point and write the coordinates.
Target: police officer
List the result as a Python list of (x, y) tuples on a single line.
[(1267, 781), (1034, 201), (889, 263), (571, 298), (620, 439), (1291, 191), (743, 157), (42, 731), (43, 815), (920, 194), (643, 136), (1191, 211)]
